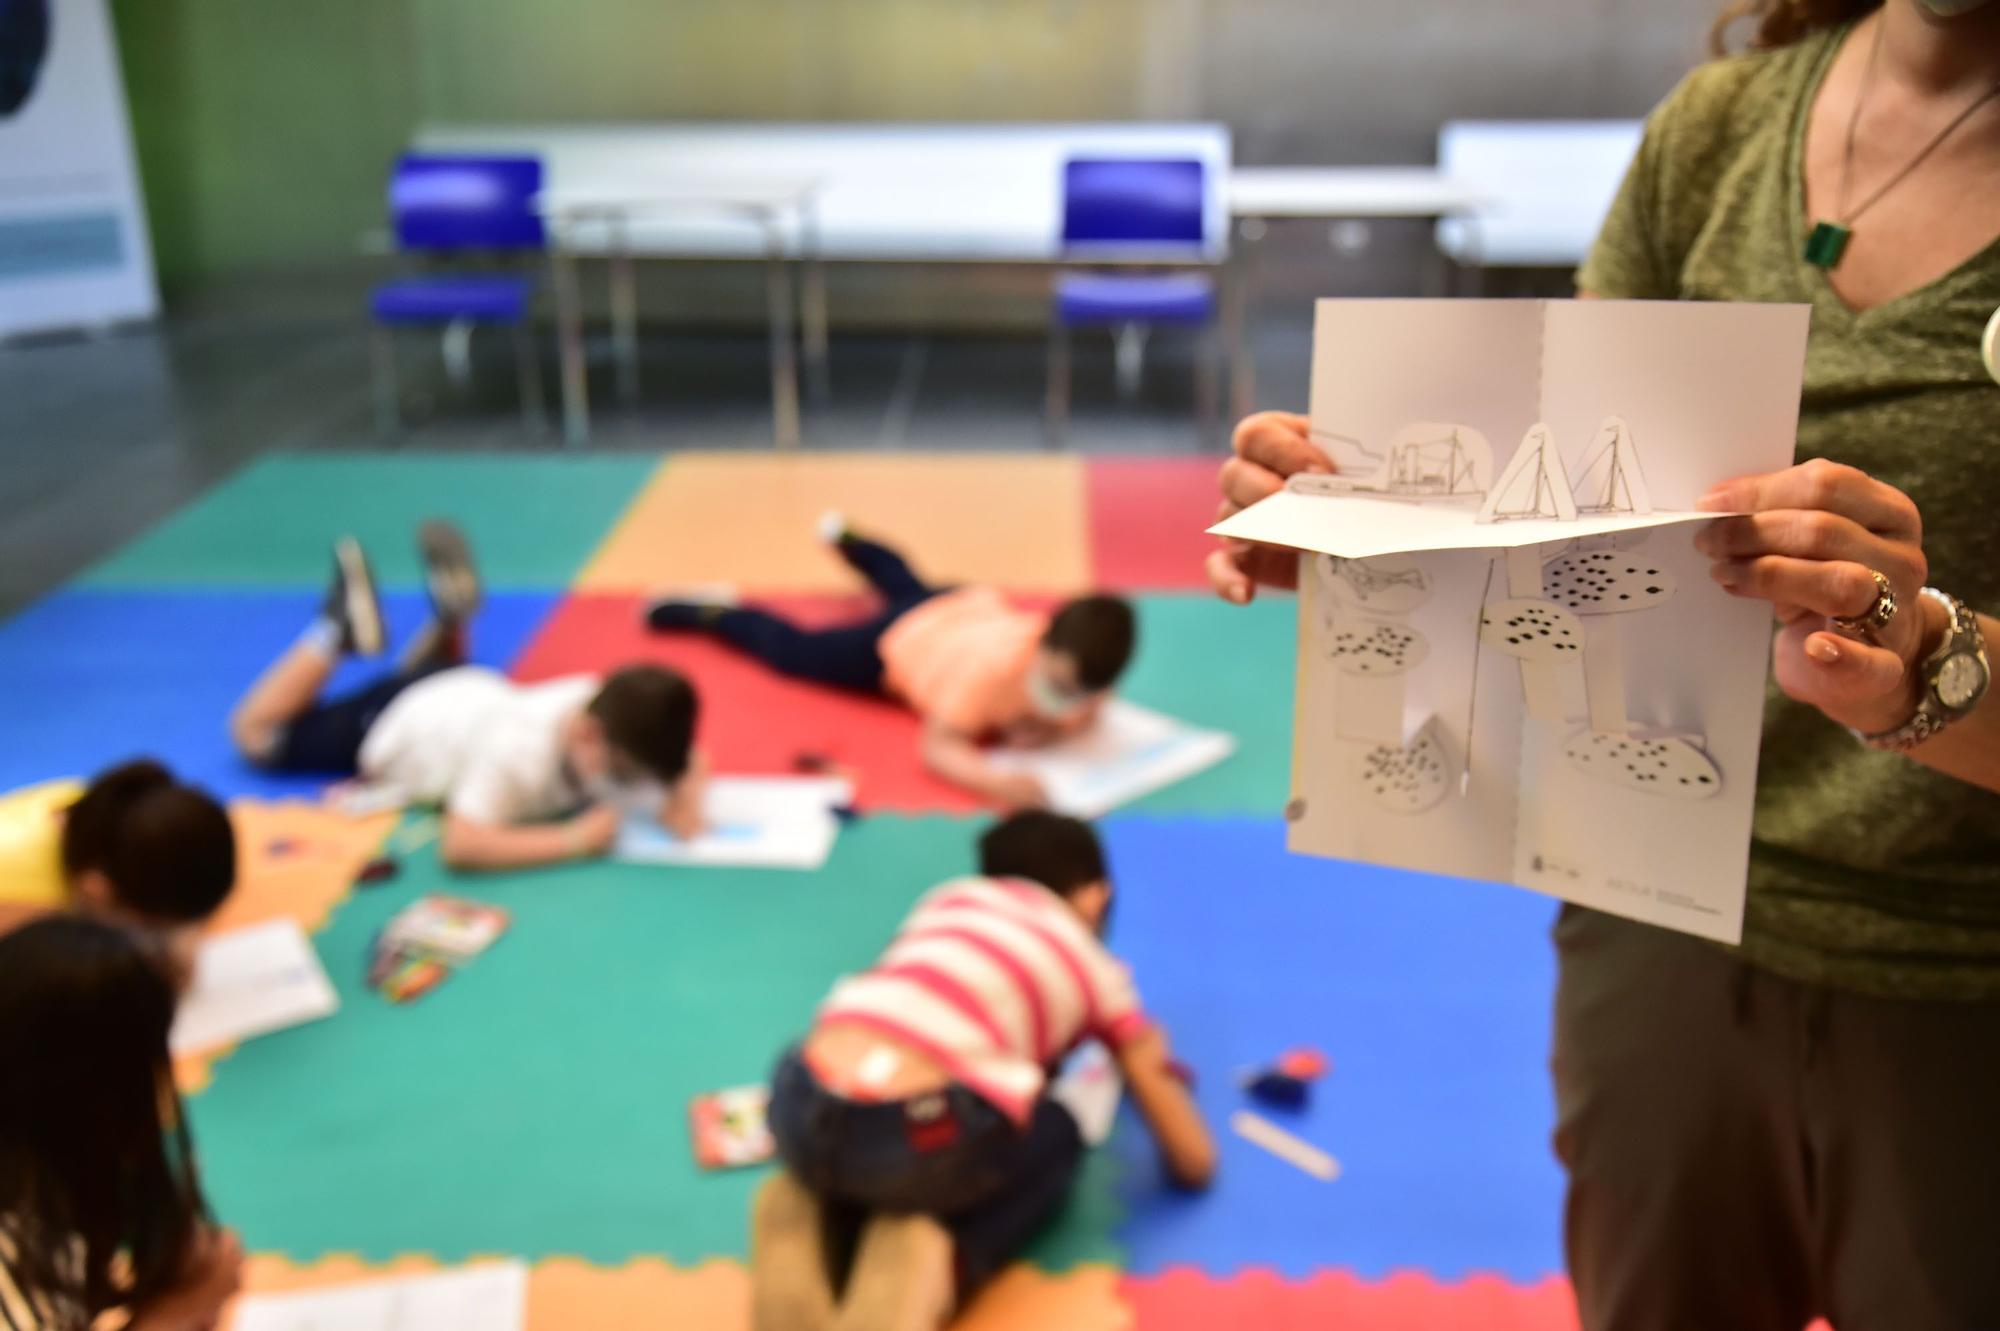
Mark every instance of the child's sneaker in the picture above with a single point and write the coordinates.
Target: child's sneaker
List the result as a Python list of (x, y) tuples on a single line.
[(688, 607), (449, 573), (351, 606)]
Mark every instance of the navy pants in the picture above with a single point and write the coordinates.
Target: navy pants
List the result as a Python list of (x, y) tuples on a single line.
[(325, 739), (846, 656), (950, 1155)]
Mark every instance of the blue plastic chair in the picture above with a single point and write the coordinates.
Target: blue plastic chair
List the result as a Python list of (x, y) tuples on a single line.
[(1146, 214), (474, 207)]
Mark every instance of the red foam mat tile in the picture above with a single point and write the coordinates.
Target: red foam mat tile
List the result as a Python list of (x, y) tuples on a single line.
[(1149, 520), (752, 720), (1188, 1300)]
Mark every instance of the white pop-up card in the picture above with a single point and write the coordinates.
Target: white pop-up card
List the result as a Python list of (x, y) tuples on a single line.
[(1513, 664)]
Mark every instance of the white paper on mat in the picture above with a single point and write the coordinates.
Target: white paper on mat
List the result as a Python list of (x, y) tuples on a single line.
[(487, 1297), (1089, 1087), (776, 822), (1130, 752), (1602, 746), (251, 982)]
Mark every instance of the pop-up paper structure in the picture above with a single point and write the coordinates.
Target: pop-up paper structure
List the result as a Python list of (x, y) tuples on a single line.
[(1512, 662)]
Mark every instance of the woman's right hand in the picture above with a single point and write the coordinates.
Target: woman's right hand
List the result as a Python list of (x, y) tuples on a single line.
[(211, 1278), (1268, 447)]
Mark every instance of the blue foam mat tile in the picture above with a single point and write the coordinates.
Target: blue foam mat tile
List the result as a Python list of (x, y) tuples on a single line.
[(1431, 997), (90, 678)]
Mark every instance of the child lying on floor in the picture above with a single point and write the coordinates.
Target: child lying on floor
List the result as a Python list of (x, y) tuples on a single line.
[(921, 1146), (975, 668), (135, 847), (526, 773)]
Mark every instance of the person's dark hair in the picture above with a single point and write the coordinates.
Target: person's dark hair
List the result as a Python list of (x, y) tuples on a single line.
[(1777, 23), (1098, 633), (1060, 853), (167, 848), (648, 714), (97, 1178)]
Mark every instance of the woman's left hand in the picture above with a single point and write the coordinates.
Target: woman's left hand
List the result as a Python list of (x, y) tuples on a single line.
[(1807, 541)]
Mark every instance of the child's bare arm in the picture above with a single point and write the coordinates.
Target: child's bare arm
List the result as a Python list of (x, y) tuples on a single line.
[(1170, 1112), (681, 812), (472, 846), (956, 757)]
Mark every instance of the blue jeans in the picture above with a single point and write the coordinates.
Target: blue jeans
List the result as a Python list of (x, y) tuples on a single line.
[(950, 1155), (847, 655)]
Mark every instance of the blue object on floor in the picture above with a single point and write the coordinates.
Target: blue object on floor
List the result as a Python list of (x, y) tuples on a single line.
[(1431, 999), (88, 678)]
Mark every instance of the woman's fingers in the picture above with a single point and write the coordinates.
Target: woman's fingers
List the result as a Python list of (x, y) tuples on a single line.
[(1244, 483), (1814, 534), (1825, 588), (1827, 486), (1231, 583), (1832, 672), (1280, 442)]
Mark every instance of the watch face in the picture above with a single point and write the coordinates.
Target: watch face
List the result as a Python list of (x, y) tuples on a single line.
[(1960, 681)]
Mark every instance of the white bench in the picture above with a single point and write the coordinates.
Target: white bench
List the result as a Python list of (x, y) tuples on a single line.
[(1546, 187)]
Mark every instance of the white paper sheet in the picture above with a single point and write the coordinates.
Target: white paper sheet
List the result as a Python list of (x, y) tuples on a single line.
[(491, 1297), (1584, 719), (778, 822), (1130, 752), (1089, 1087), (251, 982)]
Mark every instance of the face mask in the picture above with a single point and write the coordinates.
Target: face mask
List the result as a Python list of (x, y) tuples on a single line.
[(1952, 8), (1050, 702)]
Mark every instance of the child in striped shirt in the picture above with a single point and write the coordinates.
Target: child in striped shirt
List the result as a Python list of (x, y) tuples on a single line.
[(921, 1144)]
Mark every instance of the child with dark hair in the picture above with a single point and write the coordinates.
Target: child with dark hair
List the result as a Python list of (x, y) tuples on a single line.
[(921, 1145), (135, 846), (975, 668), (100, 1209), (526, 773)]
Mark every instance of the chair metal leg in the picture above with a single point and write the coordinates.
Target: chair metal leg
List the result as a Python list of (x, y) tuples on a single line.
[(1130, 356), (569, 343), (1055, 410), (1207, 383), (529, 366), (388, 394), (784, 349)]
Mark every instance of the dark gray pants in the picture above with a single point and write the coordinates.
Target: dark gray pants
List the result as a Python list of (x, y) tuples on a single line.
[(1746, 1153)]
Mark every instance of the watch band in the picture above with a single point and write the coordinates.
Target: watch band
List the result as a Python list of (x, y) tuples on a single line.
[(1962, 638)]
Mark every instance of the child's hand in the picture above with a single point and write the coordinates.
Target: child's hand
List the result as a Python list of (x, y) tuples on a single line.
[(1018, 790), (213, 1275), (593, 831)]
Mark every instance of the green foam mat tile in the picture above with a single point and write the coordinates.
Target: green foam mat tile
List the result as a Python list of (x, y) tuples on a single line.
[(535, 1102), (1230, 668), (533, 520)]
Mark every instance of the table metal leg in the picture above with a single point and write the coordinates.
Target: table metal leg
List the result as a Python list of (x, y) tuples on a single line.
[(624, 313), (1237, 285), (813, 303), (569, 345), (784, 357)]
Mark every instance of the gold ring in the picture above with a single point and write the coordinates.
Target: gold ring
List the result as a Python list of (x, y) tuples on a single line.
[(1876, 617)]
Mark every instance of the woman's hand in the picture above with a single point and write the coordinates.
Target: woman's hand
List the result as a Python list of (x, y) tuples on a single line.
[(1269, 446), (1808, 540)]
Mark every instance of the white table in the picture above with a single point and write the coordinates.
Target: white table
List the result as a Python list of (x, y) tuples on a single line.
[(1259, 195), (601, 218)]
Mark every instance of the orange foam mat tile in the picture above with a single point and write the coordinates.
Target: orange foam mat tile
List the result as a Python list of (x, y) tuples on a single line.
[(566, 1294), (1014, 520), (1149, 520), (1261, 1300), (294, 860)]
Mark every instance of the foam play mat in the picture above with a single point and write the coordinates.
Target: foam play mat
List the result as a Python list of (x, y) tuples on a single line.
[(533, 1106)]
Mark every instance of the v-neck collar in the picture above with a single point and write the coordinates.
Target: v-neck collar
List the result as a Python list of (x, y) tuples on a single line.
[(1814, 282)]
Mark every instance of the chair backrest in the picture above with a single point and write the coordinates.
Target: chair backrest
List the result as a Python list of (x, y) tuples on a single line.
[(1133, 202), (461, 203)]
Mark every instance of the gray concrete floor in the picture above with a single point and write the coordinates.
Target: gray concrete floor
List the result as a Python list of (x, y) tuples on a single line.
[(102, 437)]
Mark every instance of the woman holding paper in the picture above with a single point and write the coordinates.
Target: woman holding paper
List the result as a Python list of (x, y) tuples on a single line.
[(1805, 1126)]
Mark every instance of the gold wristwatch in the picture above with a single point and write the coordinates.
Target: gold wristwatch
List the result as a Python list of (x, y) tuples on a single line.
[(1955, 679)]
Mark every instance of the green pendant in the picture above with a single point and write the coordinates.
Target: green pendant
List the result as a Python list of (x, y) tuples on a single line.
[(1826, 244)]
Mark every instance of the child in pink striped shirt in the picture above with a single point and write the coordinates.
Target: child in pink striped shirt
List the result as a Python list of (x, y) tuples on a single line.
[(921, 1145)]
